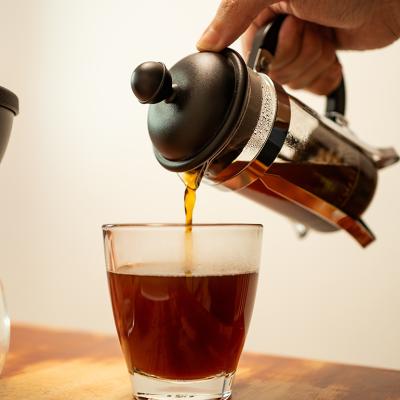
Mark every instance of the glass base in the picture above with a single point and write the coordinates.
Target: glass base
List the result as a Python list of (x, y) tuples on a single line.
[(147, 387)]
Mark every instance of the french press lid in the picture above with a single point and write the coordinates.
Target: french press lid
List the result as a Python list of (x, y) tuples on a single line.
[(194, 106)]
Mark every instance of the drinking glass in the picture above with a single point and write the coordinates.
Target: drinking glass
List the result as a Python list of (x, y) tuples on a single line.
[(4, 329), (182, 301)]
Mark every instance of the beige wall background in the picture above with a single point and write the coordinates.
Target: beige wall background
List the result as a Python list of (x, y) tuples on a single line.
[(79, 157)]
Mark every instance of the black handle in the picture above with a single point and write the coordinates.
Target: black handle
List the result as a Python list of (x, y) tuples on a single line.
[(267, 39)]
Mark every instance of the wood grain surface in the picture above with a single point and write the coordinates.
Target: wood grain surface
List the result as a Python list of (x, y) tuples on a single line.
[(46, 364)]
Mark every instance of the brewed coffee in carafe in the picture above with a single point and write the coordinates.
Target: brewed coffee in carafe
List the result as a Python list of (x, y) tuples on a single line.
[(314, 165), (213, 112)]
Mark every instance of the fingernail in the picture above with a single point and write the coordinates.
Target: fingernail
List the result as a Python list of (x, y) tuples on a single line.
[(210, 40)]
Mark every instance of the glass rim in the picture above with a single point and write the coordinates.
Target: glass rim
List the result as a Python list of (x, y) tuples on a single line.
[(107, 227)]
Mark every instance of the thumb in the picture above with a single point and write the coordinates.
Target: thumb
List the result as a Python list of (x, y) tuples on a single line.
[(231, 20)]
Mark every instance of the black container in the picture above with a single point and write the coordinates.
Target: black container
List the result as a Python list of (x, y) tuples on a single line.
[(8, 109)]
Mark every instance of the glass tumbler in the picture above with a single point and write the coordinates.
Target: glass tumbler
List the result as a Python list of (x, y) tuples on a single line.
[(182, 302), (4, 329)]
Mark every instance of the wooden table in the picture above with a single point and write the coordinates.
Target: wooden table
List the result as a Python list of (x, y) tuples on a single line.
[(46, 364)]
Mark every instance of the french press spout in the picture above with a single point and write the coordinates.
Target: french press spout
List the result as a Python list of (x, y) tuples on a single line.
[(211, 111)]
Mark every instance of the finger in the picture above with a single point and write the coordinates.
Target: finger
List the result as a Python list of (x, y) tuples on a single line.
[(290, 42), (232, 19), (328, 81), (310, 52), (314, 71)]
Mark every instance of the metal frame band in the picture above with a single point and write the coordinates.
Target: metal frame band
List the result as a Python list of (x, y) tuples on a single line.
[(268, 136)]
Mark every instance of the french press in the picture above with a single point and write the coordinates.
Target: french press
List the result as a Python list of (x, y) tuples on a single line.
[(213, 112)]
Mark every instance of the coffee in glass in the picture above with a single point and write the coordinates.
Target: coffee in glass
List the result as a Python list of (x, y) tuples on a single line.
[(182, 334)]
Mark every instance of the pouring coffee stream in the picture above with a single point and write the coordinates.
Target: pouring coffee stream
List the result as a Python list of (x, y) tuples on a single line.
[(213, 110), (191, 179)]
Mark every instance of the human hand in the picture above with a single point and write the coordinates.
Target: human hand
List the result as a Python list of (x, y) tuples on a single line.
[(309, 37)]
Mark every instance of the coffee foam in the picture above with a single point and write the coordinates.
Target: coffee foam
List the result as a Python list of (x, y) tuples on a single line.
[(178, 269)]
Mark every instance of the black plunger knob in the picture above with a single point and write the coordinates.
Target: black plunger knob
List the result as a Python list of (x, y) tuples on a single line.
[(151, 82)]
